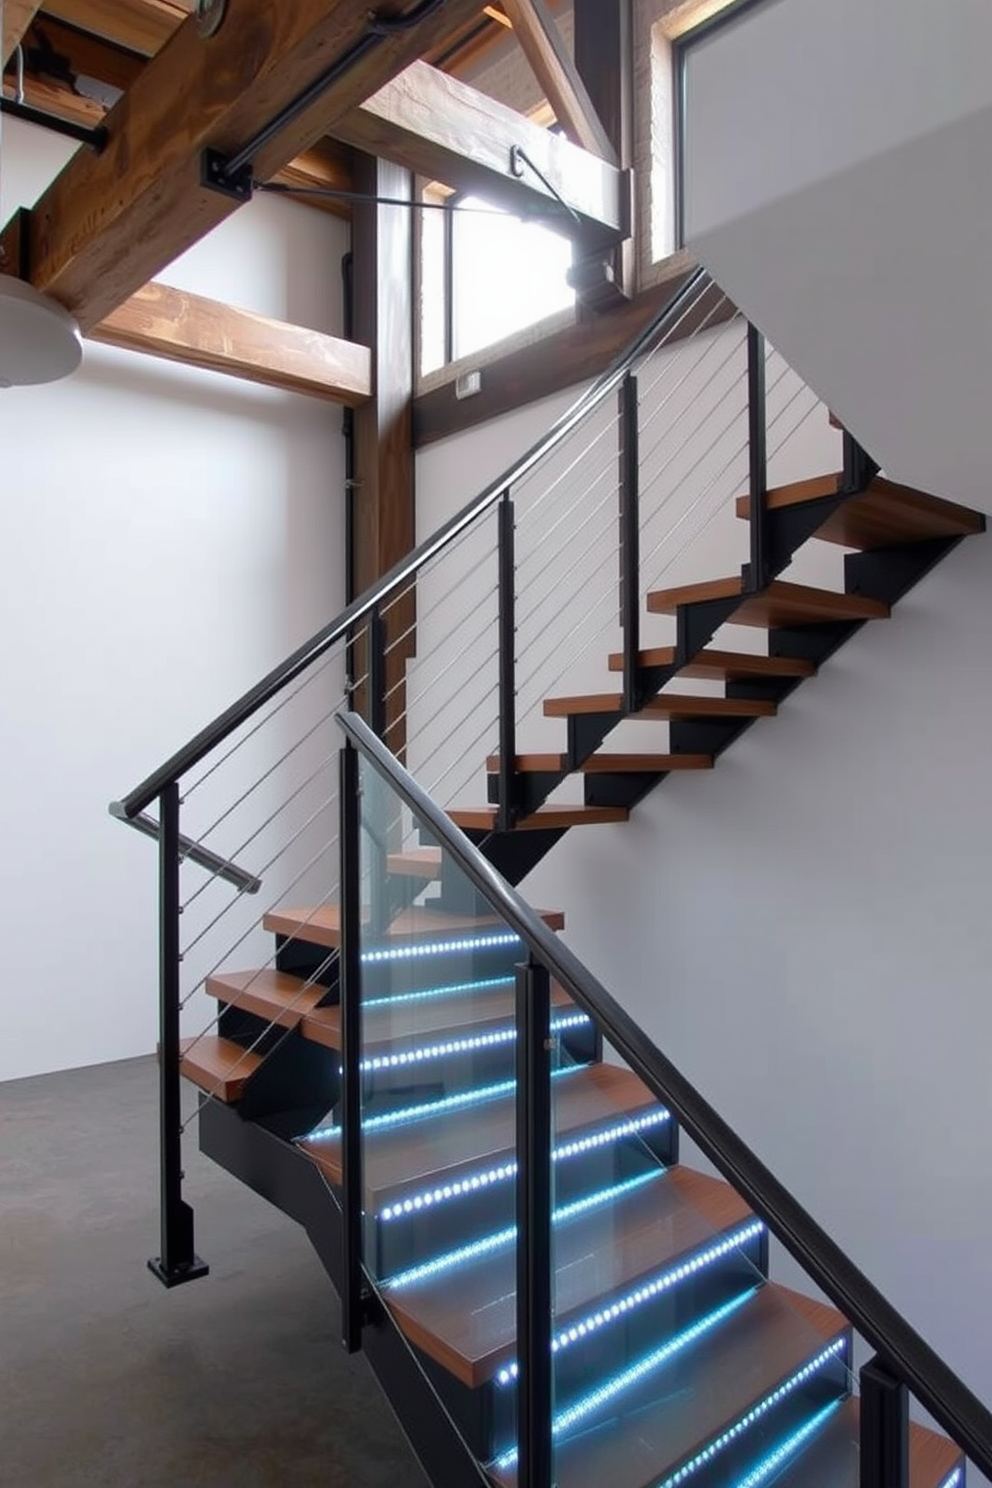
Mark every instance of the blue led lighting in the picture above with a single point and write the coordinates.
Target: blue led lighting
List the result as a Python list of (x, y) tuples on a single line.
[(634, 1373), (776, 1458), (427, 993), (955, 1480), (826, 1356), (644, 1293), (506, 1237), (466, 1045), (418, 949), (476, 1181)]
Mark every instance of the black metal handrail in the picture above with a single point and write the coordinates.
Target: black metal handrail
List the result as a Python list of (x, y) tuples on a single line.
[(212, 862), (275, 681), (956, 1408)]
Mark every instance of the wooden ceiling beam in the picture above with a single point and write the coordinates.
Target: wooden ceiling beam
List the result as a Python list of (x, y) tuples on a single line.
[(541, 42), (180, 327), (17, 17), (142, 26), (440, 128), (109, 223)]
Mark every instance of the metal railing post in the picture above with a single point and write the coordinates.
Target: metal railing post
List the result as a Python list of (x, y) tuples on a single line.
[(630, 541), (884, 1428), (535, 1385), (178, 1261), (377, 673), (757, 436), (507, 666), (353, 1295)]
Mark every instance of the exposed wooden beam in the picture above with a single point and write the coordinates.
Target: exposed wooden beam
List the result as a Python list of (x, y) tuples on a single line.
[(554, 69), (570, 356), (442, 129), (140, 25), (17, 17), (109, 223), (604, 59), (181, 327)]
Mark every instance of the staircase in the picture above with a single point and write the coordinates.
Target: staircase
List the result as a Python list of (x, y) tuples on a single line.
[(481, 1146)]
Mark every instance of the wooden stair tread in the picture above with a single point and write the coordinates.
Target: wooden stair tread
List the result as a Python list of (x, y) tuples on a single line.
[(780, 604), (465, 1318), (416, 862), (436, 1148), (607, 764), (722, 666), (322, 926), (665, 705), (218, 1065), (273, 995), (640, 1438), (545, 819), (832, 1458), (397, 1025), (884, 516)]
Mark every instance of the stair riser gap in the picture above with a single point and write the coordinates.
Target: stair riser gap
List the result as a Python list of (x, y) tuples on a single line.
[(620, 790), (309, 962), (705, 736)]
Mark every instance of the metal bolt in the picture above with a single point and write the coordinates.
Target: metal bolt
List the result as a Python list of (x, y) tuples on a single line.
[(209, 16)]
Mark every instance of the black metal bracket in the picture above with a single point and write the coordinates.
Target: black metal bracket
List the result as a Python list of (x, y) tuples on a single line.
[(508, 801), (859, 467), (586, 731), (216, 175), (757, 574), (630, 534)]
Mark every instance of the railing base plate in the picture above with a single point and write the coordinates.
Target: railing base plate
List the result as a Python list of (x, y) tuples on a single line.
[(178, 1275)]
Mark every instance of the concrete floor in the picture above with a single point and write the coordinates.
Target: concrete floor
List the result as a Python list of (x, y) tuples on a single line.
[(106, 1378)]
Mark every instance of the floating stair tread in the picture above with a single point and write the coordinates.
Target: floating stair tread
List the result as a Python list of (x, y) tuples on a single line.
[(322, 926), (884, 516), (832, 1458), (722, 666), (665, 705), (465, 1318), (273, 995), (607, 764), (639, 1439), (439, 1148), (416, 862), (545, 819), (218, 1065), (404, 1023), (780, 604)]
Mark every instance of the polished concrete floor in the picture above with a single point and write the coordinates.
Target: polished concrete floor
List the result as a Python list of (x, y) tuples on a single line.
[(107, 1379)]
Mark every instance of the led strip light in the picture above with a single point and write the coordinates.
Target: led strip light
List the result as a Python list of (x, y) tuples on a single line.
[(775, 1459), (467, 1045), (955, 1480), (645, 1293), (503, 1238), (636, 1372), (459, 1187), (437, 948), (427, 993)]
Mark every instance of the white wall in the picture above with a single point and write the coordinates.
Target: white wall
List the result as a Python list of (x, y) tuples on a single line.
[(165, 537), (805, 929)]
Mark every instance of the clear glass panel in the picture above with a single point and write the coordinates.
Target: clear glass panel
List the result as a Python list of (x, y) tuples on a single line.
[(675, 1360)]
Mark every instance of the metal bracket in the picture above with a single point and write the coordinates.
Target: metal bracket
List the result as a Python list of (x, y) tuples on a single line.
[(216, 176), (209, 16)]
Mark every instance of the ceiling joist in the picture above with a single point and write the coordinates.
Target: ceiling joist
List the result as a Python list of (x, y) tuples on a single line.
[(17, 17), (444, 130), (542, 45), (109, 223), (180, 327)]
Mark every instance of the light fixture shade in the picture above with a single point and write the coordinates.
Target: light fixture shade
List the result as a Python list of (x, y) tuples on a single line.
[(39, 340)]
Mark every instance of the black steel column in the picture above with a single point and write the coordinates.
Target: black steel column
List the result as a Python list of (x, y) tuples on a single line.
[(377, 673), (757, 426), (630, 541), (353, 1297), (535, 1303), (859, 467), (178, 1262), (507, 667), (884, 1428)]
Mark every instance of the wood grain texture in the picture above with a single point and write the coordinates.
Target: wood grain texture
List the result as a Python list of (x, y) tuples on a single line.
[(666, 705), (402, 1160), (607, 764), (722, 666), (441, 128), (143, 26), (17, 17), (667, 1420), (218, 1066), (109, 223), (546, 819), (321, 926), (466, 1318), (542, 45), (886, 515), (181, 327), (781, 604), (273, 995)]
